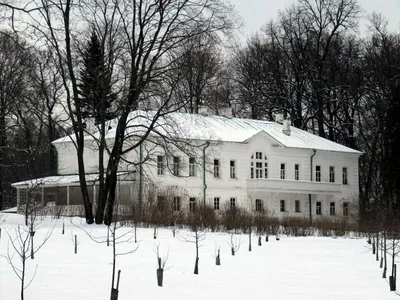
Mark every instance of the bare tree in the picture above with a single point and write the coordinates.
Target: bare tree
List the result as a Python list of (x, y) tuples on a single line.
[(25, 249)]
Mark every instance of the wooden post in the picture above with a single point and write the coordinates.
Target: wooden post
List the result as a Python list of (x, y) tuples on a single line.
[(76, 244), (218, 259), (259, 240), (63, 229), (68, 195)]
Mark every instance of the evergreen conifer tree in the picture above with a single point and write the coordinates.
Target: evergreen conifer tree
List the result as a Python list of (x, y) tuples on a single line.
[(95, 83)]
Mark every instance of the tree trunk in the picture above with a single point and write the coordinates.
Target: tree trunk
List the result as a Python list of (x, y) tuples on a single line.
[(250, 241), (100, 196), (377, 246), (82, 180), (385, 255), (2, 149), (196, 266)]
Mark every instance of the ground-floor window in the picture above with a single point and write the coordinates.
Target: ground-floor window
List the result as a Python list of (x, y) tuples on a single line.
[(345, 208), (332, 208), (192, 204), (233, 203), (161, 202), (297, 206), (258, 205), (177, 203), (282, 206), (216, 203), (318, 209)]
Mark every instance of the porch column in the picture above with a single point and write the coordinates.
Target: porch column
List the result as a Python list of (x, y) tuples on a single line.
[(18, 197), (67, 194)]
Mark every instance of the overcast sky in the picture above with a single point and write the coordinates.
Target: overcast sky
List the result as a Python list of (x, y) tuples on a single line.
[(256, 13)]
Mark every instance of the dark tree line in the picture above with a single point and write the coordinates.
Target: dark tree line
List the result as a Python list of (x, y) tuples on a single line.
[(310, 65)]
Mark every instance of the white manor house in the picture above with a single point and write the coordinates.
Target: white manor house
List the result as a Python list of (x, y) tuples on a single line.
[(223, 161)]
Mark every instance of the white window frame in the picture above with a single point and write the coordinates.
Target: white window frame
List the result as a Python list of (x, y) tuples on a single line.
[(161, 202), (282, 207), (176, 165), (192, 167), (345, 176), (283, 173), (232, 169), (192, 204), (216, 203), (297, 172), (258, 205), (160, 164), (318, 208), (297, 206), (232, 202), (331, 174), (318, 173), (217, 168), (332, 208), (345, 208), (177, 204), (258, 166)]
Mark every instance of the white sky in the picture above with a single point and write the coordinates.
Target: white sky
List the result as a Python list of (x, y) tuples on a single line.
[(256, 13)]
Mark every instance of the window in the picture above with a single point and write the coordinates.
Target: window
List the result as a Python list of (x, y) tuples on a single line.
[(216, 203), (192, 204), (160, 165), (192, 166), (233, 168), (177, 203), (344, 175), (297, 206), (318, 173), (332, 208), (176, 166), (160, 202), (345, 208), (258, 166), (282, 206), (216, 168), (318, 209), (259, 169), (296, 172), (331, 174), (258, 205), (233, 203), (282, 171)]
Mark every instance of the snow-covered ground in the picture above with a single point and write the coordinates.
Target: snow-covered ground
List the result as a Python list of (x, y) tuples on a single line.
[(292, 268)]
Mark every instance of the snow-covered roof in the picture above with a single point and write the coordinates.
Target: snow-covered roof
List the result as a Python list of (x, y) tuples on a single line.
[(64, 180), (53, 181), (217, 128)]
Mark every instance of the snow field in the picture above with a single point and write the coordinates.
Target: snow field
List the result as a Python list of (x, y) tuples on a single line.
[(292, 268)]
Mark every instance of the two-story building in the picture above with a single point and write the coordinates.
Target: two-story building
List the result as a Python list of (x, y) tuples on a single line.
[(224, 161)]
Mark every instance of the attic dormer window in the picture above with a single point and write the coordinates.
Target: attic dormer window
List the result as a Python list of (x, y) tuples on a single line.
[(259, 166)]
